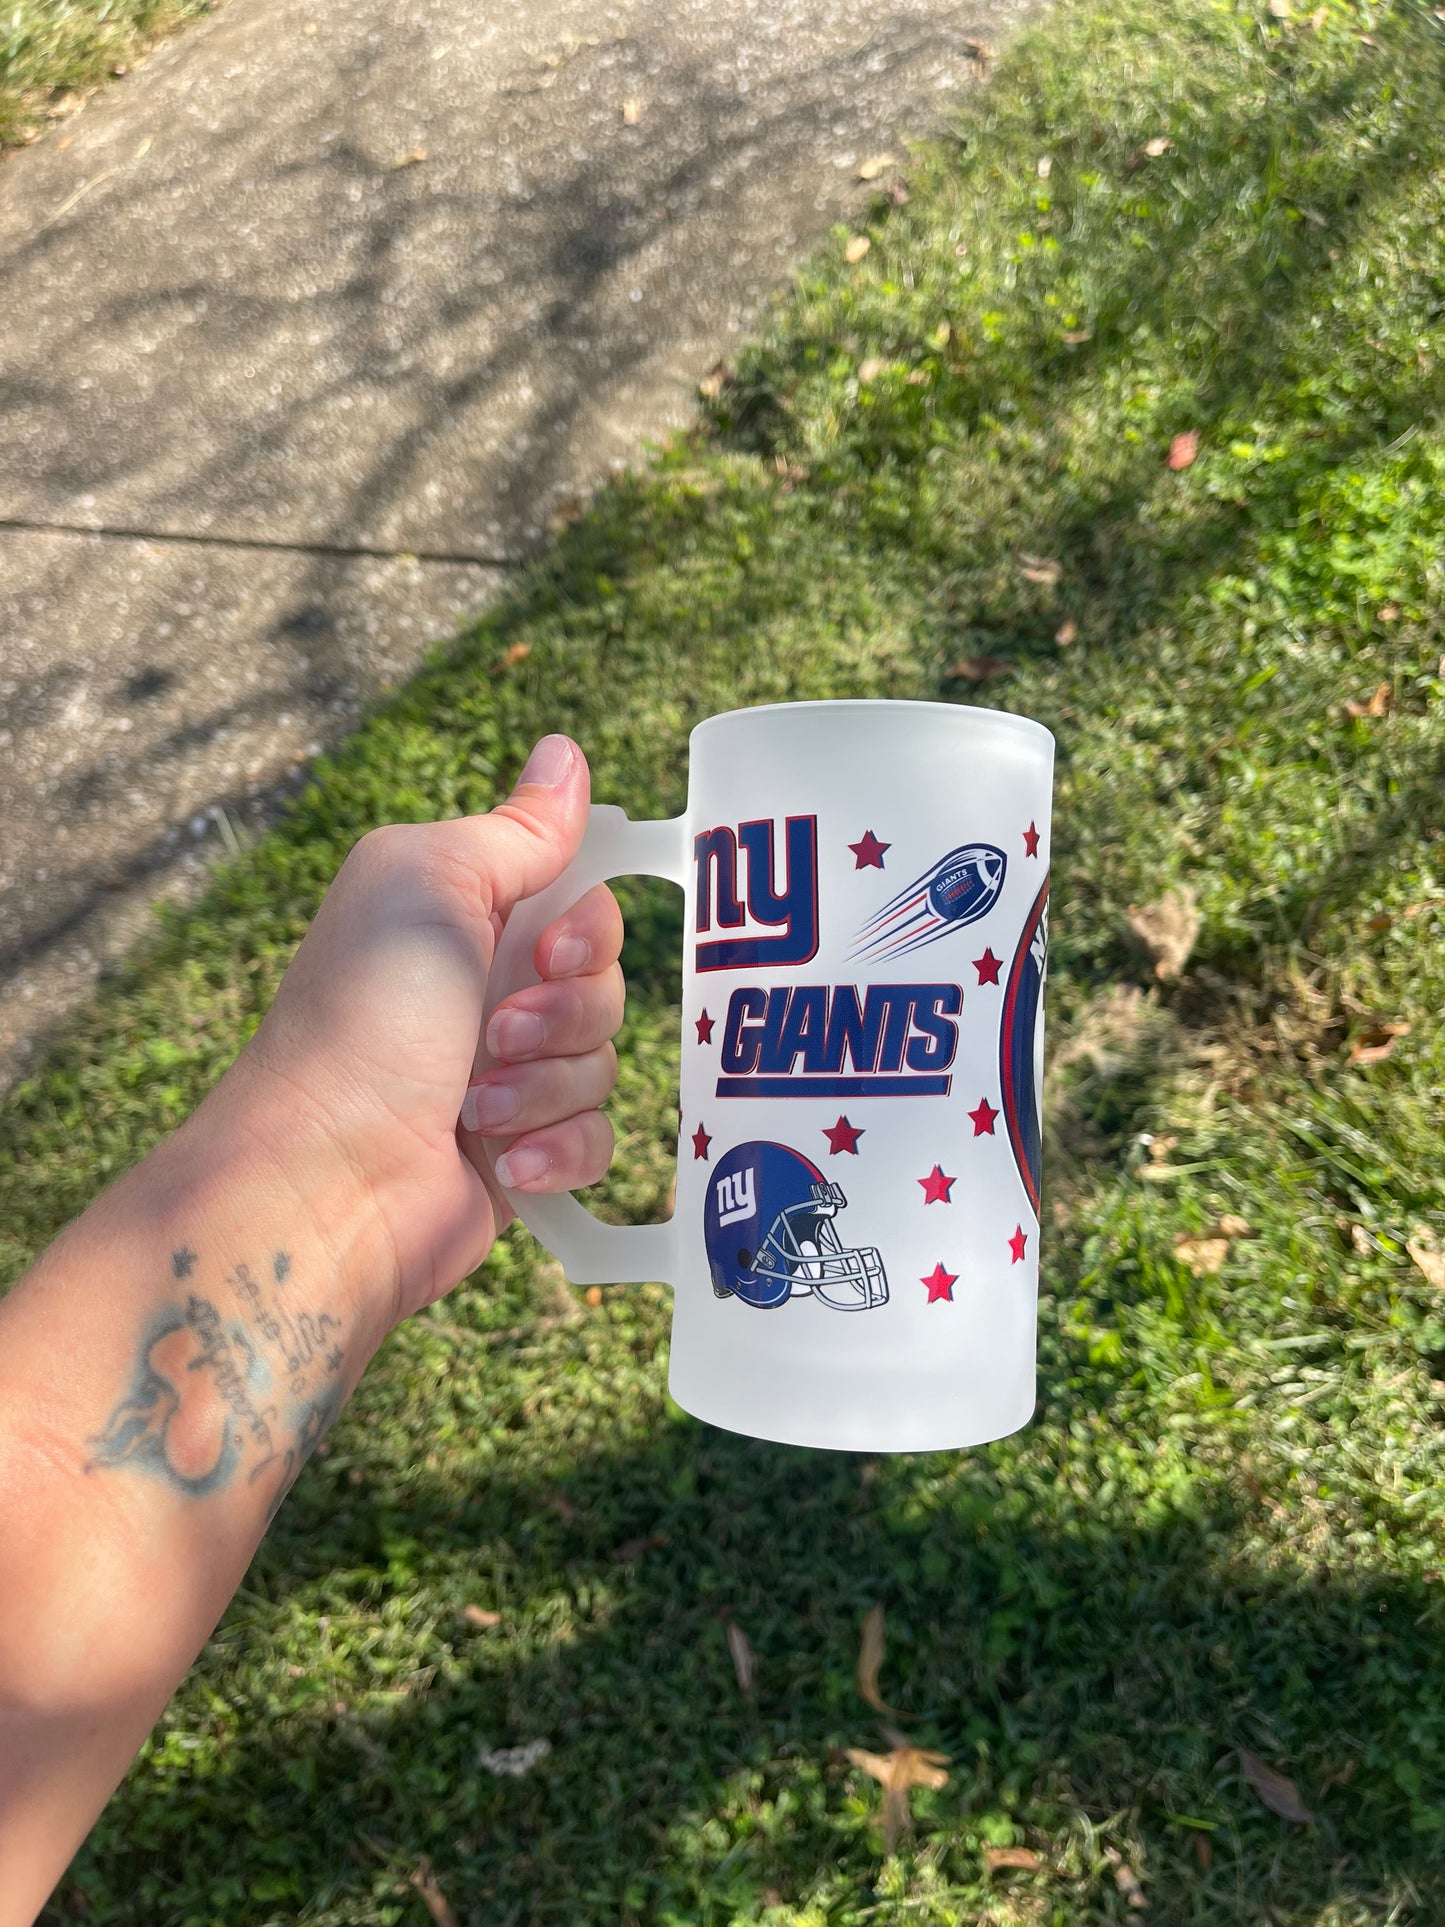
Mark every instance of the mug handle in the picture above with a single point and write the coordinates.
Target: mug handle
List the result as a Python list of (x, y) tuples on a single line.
[(590, 1252)]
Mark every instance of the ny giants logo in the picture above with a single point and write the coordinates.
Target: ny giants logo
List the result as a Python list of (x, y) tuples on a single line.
[(789, 912), (737, 1197)]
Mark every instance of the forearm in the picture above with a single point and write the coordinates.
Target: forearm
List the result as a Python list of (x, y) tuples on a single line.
[(165, 1370)]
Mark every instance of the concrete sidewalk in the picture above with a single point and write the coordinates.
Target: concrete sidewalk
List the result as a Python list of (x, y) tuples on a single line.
[(312, 321)]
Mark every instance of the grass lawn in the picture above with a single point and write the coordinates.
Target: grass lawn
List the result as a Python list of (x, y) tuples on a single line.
[(1224, 1530), (50, 48)]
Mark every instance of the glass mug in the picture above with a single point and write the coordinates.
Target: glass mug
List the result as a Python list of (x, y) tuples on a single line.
[(855, 1244)]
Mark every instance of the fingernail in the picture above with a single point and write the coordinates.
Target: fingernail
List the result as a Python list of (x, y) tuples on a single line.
[(522, 1165), (488, 1106), (516, 1033), (569, 954), (549, 763)]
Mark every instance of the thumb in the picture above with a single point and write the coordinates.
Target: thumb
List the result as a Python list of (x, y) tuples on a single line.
[(527, 841)]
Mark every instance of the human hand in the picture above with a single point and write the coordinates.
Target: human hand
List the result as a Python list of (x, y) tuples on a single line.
[(365, 1059)]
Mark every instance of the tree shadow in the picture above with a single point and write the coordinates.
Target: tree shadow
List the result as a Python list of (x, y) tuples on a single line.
[(1071, 1665)]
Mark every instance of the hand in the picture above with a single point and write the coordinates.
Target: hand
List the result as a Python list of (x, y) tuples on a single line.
[(366, 1056)]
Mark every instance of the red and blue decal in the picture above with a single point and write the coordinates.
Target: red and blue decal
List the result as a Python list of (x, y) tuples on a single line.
[(1018, 1048), (960, 888)]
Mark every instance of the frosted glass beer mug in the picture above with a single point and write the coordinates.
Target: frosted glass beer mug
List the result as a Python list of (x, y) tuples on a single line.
[(854, 1249)]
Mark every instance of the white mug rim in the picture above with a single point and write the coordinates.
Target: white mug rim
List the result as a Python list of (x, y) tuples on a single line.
[(1004, 719)]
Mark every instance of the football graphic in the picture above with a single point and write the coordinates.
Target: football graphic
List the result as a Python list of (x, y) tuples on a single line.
[(960, 888)]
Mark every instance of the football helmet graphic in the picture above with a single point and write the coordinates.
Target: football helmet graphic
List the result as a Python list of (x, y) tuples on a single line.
[(770, 1232)]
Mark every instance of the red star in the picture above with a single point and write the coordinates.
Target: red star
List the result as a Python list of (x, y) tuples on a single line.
[(983, 1118), (987, 967), (1031, 840), (700, 1142), (936, 1186), (842, 1136), (1016, 1244), (704, 1029), (868, 853), (940, 1284)]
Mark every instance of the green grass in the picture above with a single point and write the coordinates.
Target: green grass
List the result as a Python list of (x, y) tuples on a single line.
[(50, 48), (1225, 1527)]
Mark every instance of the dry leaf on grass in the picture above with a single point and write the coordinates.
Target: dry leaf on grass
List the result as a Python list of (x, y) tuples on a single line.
[(1428, 1258), (1278, 1793), (635, 1548), (871, 1648), (905, 1767), (858, 246), (631, 112), (1390, 612), (1183, 449), (1039, 568), (979, 668), (514, 653), (715, 380), (1126, 1880), (1202, 1255), (593, 1296), (1168, 930), (875, 165), (1066, 633), (1376, 705), (745, 1664), (996, 1858), (481, 1617), (1372, 1046), (1279, 9), (872, 368), (433, 1899)]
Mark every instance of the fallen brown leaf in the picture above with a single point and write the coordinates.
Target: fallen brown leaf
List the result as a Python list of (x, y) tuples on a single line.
[(635, 1548), (875, 165), (1127, 1881), (1156, 1173), (593, 1296), (516, 652), (979, 668), (1204, 1256), (871, 1648), (481, 1617), (871, 368), (1390, 612), (1277, 1792), (1372, 1046), (1183, 449), (1039, 568), (1376, 705), (433, 1899), (1380, 922), (995, 1858), (1232, 1227), (1168, 930), (1428, 1258), (858, 246), (745, 1664), (631, 112), (896, 1772), (715, 380), (1066, 633), (1203, 1852)]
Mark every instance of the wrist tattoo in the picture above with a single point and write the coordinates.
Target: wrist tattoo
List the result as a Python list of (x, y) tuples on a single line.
[(215, 1398)]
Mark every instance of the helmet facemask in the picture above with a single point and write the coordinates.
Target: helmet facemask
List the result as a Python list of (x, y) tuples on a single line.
[(803, 1246)]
